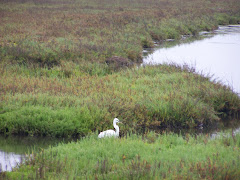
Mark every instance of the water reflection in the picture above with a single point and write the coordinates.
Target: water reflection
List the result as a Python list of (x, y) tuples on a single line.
[(224, 128), (13, 149), (214, 53), (210, 53), (9, 160)]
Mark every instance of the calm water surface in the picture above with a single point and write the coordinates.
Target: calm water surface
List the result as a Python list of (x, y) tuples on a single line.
[(217, 54), (13, 149)]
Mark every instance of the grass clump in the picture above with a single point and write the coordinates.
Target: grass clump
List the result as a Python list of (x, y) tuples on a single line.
[(40, 103), (169, 156)]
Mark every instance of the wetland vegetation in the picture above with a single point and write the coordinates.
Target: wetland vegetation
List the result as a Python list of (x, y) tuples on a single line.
[(56, 81), (167, 156), (87, 32), (151, 96)]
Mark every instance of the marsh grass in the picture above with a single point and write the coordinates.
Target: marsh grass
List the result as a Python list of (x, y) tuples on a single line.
[(90, 31), (170, 156), (42, 102)]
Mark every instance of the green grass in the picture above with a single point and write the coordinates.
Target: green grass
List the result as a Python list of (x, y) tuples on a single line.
[(38, 102), (166, 156), (51, 32)]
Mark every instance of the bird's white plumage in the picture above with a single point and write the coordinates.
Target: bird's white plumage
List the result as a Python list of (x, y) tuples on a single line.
[(110, 132)]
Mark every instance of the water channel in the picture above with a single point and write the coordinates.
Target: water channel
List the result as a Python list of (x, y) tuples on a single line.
[(13, 149), (214, 52)]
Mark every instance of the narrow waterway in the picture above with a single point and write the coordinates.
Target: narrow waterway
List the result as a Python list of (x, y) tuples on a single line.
[(13, 149), (214, 53)]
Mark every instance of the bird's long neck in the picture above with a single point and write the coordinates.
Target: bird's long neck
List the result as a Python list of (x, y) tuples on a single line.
[(117, 128)]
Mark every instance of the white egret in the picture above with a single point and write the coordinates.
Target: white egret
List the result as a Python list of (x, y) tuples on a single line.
[(110, 132)]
